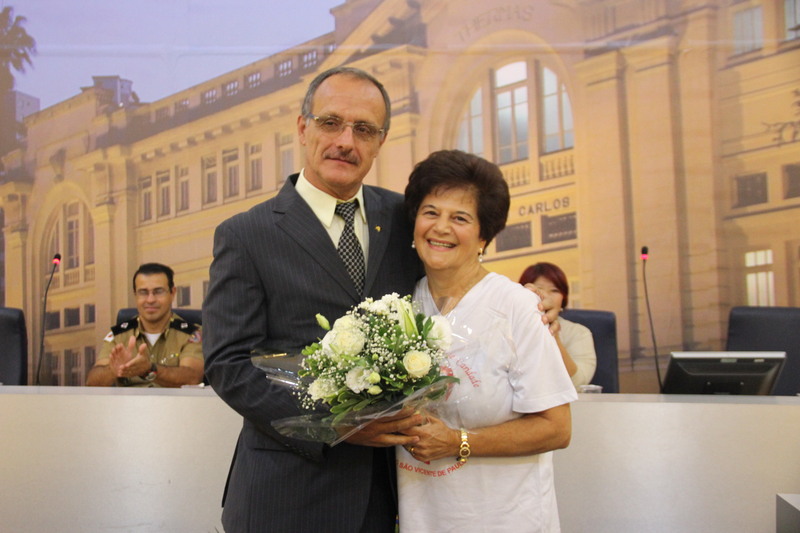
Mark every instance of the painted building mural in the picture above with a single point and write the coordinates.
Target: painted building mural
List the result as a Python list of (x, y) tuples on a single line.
[(671, 124)]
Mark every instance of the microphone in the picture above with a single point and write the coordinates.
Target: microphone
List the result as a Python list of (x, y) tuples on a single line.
[(645, 255), (56, 261)]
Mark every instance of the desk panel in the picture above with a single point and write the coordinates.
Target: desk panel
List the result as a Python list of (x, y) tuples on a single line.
[(83, 460)]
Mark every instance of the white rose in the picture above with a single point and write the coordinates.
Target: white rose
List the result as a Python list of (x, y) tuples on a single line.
[(357, 379), (322, 388), (417, 363), (346, 322), (348, 341), (440, 336)]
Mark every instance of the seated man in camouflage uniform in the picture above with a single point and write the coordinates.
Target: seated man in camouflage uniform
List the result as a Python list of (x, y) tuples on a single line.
[(169, 352)]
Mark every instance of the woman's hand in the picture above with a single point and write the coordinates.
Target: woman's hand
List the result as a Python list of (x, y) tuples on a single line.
[(436, 440)]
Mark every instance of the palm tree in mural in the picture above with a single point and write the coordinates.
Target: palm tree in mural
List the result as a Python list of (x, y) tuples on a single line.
[(16, 48)]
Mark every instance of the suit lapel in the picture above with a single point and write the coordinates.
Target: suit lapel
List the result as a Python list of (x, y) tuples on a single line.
[(379, 219), (298, 221)]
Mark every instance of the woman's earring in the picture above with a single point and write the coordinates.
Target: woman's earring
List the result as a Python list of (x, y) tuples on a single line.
[(480, 255), (413, 245)]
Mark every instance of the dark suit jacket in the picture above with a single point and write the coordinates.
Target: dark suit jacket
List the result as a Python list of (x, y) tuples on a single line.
[(274, 268)]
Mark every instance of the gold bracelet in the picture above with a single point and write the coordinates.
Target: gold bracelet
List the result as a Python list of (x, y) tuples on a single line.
[(463, 450)]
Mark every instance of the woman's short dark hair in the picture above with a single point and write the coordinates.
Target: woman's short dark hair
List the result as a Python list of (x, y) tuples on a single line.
[(454, 169), (550, 272), (148, 269)]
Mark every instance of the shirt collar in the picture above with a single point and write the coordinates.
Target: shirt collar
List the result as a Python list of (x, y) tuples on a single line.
[(322, 203)]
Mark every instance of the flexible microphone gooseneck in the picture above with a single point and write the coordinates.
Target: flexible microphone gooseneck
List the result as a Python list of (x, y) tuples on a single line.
[(645, 256), (56, 262)]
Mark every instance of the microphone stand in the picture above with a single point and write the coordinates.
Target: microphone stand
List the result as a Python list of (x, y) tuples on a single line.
[(650, 317), (56, 262)]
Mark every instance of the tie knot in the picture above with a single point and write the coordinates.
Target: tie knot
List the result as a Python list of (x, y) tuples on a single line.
[(347, 210)]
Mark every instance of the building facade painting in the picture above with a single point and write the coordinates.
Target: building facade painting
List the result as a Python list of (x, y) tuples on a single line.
[(672, 124)]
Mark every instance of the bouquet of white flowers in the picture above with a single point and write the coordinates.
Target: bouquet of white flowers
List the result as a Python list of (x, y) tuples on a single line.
[(376, 359)]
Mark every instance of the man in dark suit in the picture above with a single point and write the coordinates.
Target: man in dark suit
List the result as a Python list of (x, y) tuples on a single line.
[(276, 266)]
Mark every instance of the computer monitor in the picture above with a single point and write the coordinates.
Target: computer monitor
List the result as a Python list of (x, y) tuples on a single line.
[(722, 372)]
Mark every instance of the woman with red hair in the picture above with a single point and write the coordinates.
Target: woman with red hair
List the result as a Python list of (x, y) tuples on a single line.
[(574, 340)]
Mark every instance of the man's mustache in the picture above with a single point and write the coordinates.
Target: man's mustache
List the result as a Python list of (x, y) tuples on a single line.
[(348, 156)]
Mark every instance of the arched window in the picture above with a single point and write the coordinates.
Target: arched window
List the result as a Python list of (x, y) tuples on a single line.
[(511, 112), (557, 128), (525, 113), (71, 234)]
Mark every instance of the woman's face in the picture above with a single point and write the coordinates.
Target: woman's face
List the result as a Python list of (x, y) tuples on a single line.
[(447, 231), (549, 289)]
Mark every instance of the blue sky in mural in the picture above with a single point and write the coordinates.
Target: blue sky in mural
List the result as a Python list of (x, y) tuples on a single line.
[(163, 46)]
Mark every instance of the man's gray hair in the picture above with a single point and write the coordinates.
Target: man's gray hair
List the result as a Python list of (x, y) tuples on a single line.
[(308, 101)]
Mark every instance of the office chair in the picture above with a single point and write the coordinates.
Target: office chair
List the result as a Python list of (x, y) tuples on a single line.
[(14, 347), (603, 325), (769, 329)]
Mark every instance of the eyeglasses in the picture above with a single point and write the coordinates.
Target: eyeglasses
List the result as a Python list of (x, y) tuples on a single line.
[(363, 131), (158, 292)]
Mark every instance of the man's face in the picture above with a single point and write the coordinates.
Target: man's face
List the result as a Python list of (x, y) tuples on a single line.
[(337, 163), (153, 297)]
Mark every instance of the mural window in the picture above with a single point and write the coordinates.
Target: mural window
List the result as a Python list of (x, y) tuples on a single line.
[(181, 105), (183, 188), (146, 198), (162, 182), (284, 68), (253, 80), (72, 316), (183, 296), (285, 156), (759, 278), (791, 176), (230, 163), (162, 113), (183, 195), (89, 314), (209, 97), (511, 112), (70, 234), (470, 132), (751, 189), (748, 30), (255, 179), (209, 179), (88, 245), (52, 320), (72, 241), (558, 131), (559, 228), (791, 14), (309, 59), (52, 369), (89, 356), (514, 237), (74, 367), (231, 88)]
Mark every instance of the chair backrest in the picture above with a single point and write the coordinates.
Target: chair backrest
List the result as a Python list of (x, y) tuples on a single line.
[(13, 347), (603, 325), (193, 316), (769, 329)]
